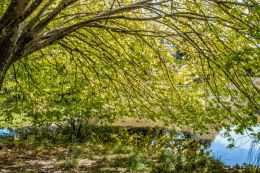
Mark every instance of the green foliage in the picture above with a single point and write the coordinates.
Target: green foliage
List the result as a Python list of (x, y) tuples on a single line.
[(123, 68), (3, 6)]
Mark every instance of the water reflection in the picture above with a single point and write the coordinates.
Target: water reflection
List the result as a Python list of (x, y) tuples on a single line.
[(5, 133), (242, 149), (245, 149)]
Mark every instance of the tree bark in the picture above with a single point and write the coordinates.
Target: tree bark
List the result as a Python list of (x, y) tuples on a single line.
[(8, 53), (5, 63), (2, 77), (10, 30)]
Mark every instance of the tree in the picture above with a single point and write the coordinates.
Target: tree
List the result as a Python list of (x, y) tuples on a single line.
[(207, 31), (24, 24)]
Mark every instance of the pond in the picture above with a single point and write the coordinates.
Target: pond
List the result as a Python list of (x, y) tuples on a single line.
[(233, 149), (5, 132), (245, 149)]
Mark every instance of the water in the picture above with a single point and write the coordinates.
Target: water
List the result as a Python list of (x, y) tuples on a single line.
[(245, 149), (234, 149), (5, 132)]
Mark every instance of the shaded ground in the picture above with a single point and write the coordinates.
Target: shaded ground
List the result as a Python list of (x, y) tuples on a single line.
[(19, 158)]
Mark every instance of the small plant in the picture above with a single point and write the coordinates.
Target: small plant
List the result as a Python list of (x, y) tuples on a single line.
[(77, 129)]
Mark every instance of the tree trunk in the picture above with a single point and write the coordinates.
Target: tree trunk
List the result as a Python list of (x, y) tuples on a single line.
[(10, 30), (3, 70), (8, 54), (2, 76), (5, 63)]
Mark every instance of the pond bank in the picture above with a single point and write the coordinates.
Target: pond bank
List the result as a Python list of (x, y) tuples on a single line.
[(110, 149), (150, 137)]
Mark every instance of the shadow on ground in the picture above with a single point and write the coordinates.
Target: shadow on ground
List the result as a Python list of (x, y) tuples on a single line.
[(16, 158)]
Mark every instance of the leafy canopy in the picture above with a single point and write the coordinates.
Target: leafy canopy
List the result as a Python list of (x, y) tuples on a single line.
[(111, 58)]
